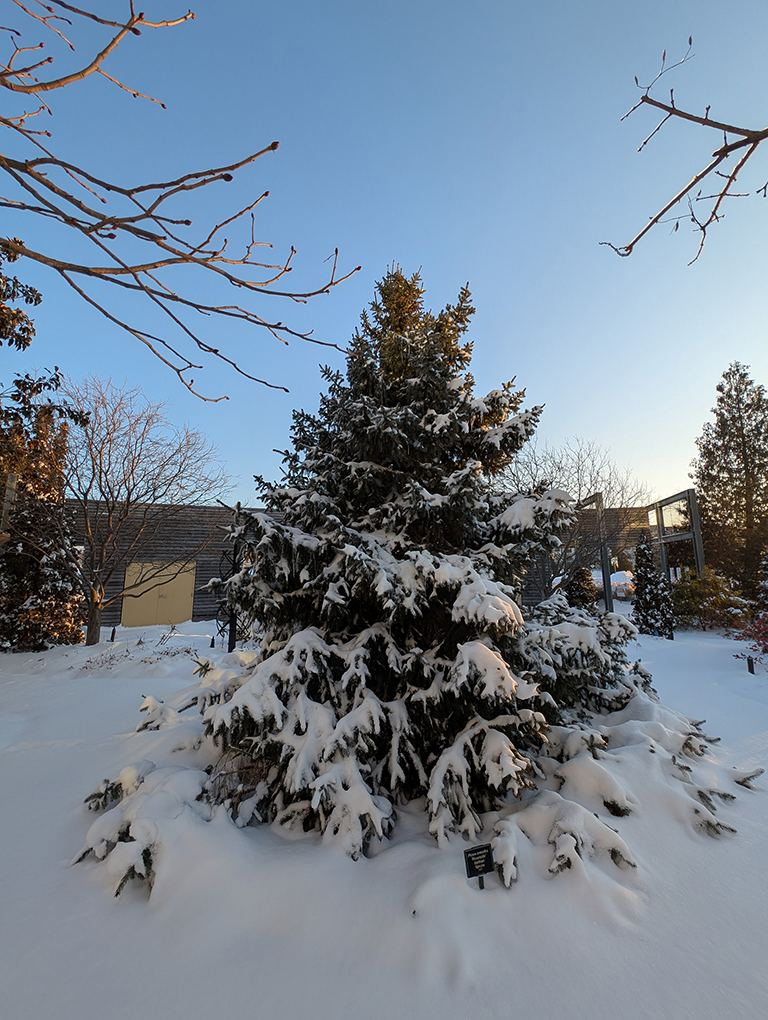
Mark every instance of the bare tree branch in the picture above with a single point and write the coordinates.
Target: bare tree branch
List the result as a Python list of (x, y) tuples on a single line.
[(113, 217), (581, 467), (131, 474), (745, 138)]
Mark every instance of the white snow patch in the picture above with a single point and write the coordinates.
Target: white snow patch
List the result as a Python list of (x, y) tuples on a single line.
[(237, 913)]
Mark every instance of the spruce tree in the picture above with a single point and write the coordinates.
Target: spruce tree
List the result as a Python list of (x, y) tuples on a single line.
[(761, 600), (731, 475), (394, 661), (652, 606), (579, 588), (39, 603)]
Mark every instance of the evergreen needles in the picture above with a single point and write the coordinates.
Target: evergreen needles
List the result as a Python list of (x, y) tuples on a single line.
[(383, 584), (652, 608)]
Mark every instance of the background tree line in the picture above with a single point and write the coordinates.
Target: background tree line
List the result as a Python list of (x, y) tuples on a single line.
[(97, 461), (99, 472)]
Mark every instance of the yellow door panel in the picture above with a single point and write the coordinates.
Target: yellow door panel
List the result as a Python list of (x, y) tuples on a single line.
[(168, 598)]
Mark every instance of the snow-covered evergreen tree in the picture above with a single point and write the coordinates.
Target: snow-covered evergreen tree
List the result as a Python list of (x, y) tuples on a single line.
[(39, 604), (394, 663), (652, 608), (579, 588), (394, 660)]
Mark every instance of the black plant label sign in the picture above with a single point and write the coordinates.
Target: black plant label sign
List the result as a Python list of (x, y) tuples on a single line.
[(478, 860)]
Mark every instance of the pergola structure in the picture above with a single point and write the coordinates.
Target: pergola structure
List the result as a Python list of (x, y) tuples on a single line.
[(692, 534)]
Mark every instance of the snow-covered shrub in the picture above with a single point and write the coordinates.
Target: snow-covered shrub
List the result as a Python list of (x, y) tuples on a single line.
[(708, 601), (577, 653), (129, 834), (623, 584)]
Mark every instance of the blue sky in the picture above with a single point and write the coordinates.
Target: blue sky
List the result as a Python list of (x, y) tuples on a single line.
[(481, 142)]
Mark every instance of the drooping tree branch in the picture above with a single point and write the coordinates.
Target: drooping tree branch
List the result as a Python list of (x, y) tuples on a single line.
[(113, 217), (735, 139)]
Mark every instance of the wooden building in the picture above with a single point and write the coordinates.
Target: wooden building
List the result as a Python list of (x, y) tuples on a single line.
[(181, 552)]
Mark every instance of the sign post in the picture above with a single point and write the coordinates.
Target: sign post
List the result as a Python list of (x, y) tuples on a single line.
[(478, 861)]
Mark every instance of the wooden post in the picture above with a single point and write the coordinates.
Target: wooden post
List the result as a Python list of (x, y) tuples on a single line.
[(605, 556), (698, 544), (232, 639)]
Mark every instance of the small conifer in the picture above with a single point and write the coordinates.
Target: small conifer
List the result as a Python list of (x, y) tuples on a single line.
[(579, 588), (708, 602), (652, 607), (39, 603)]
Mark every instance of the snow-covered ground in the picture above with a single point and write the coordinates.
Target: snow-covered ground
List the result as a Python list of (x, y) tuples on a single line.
[(244, 922)]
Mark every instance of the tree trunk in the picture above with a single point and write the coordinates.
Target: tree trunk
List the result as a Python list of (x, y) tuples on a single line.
[(93, 627)]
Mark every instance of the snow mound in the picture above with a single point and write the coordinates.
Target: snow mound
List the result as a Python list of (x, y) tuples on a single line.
[(606, 771), (572, 832), (130, 836)]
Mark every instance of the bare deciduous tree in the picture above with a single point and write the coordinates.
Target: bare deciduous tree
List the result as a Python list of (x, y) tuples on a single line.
[(582, 468), (138, 232), (131, 474), (738, 142)]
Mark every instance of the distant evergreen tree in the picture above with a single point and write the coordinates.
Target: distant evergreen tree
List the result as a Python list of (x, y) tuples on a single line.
[(579, 588), (731, 475), (761, 600), (652, 607), (39, 605)]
